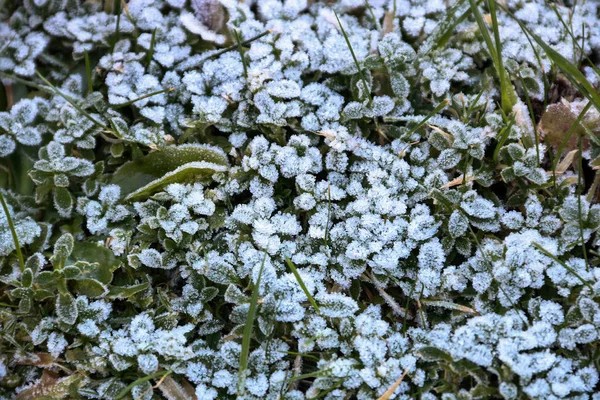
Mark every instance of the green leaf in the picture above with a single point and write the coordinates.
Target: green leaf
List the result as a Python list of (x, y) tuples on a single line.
[(429, 353), (90, 287), (63, 201), (27, 277), (25, 305), (95, 261), (42, 294), (124, 292), (145, 175), (208, 294), (71, 272), (66, 309), (45, 278), (62, 250)]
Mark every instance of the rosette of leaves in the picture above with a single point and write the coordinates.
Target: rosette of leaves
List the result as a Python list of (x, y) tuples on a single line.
[(53, 173), (84, 269)]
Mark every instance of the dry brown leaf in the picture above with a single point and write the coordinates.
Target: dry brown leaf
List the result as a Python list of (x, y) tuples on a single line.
[(49, 385), (562, 167), (388, 23), (173, 390), (556, 123), (458, 181)]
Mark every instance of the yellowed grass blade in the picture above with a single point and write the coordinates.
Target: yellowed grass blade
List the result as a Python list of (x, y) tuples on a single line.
[(388, 393)]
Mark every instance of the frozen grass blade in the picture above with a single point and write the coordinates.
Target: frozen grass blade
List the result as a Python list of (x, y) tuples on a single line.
[(375, 20), (508, 98), (248, 332), (302, 285), (72, 102), (360, 72), (235, 46), (130, 102), (11, 225), (575, 42), (554, 258), (118, 11)]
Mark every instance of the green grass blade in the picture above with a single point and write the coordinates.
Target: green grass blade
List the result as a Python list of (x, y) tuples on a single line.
[(444, 30), (238, 38), (507, 94), (11, 226), (150, 53), (88, 71), (532, 116), (575, 42), (360, 72), (118, 11), (554, 258), (302, 285), (248, 331), (235, 46), (436, 110), (502, 139)]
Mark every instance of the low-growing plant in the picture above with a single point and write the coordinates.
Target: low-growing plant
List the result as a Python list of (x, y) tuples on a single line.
[(269, 199)]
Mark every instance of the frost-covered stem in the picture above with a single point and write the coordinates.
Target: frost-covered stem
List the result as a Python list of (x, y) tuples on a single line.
[(13, 232), (248, 330), (126, 390), (235, 46), (553, 257), (25, 82), (360, 73), (130, 102), (72, 102), (389, 299)]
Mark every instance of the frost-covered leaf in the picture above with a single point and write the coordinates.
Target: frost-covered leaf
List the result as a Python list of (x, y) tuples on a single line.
[(147, 174), (66, 309)]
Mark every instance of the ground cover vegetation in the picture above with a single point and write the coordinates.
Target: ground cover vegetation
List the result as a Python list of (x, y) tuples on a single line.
[(299, 199)]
